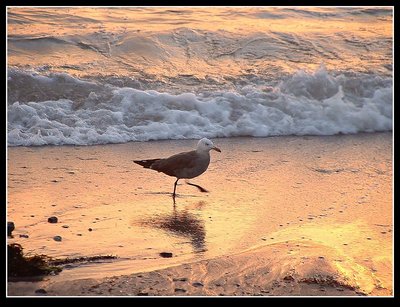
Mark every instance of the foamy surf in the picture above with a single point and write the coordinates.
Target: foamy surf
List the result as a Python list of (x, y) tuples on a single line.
[(318, 103)]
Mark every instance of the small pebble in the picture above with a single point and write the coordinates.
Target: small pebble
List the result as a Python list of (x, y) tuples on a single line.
[(23, 236), (166, 254), (52, 219), (10, 228), (65, 226), (57, 238), (197, 284), (90, 229), (180, 290), (288, 278), (41, 291), (142, 294)]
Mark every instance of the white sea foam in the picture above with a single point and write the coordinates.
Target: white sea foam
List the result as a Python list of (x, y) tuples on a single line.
[(305, 104)]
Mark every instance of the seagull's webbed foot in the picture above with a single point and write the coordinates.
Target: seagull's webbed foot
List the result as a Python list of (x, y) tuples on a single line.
[(201, 189)]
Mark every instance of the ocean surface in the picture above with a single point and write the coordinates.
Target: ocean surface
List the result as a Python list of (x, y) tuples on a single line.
[(86, 76)]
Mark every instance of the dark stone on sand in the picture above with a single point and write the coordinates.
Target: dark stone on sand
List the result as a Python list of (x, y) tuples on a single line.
[(40, 291), (197, 284), (52, 219), (288, 278), (180, 290), (10, 228), (142, 294), (65, 226), (90, 229), (57, 238), (180, 279), (166, 254), (23, 236)]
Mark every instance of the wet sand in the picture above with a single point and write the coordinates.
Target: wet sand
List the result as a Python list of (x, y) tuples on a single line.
[(283, 216)]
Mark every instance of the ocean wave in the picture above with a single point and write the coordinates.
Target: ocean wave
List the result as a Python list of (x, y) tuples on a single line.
[(89, 113)]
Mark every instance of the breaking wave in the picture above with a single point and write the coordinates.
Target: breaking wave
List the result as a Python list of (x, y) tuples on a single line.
[(58, 109)]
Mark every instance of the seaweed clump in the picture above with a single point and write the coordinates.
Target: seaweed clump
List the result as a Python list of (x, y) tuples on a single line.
[(20, 265)]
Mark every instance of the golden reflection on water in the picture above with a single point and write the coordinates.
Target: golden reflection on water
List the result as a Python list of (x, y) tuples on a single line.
[(144, 39), (237, 20)]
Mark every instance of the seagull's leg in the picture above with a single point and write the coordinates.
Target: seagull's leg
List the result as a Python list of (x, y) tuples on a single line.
[(173, 194), (201, 189)]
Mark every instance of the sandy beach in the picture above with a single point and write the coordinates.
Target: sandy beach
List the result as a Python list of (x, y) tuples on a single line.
[(309, 215)]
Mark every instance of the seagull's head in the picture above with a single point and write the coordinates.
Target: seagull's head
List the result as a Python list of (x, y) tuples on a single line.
[(206, 145)]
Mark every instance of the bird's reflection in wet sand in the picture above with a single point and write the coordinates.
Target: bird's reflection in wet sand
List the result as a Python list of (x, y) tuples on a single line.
[(183, 224)]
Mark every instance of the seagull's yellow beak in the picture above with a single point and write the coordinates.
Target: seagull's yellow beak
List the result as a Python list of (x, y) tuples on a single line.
[(216, 149)]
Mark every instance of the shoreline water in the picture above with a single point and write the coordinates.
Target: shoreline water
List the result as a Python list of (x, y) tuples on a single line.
[(326, 199)]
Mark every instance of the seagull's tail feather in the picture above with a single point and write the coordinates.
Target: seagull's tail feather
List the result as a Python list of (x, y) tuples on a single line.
[(146, 163)]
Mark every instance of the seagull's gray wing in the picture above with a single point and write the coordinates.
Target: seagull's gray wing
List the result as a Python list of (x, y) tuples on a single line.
[(177, 165)]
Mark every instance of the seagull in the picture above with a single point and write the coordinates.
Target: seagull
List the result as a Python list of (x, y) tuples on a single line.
[(186, 165)]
